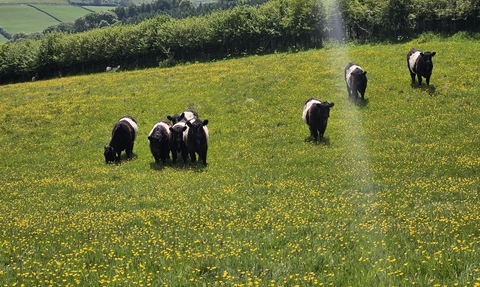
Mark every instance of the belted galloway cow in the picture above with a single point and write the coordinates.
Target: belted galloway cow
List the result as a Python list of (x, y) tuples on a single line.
[(196, 139), (159, 141), (177, 144), (420, 64), (356, 80), (315, 115), (124, 134)]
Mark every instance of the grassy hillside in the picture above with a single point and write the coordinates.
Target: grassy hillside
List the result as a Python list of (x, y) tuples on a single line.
[(389, 198), (26, 19)]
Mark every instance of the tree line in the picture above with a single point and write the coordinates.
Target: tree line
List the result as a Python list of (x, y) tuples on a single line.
[(274, 25), (380, 19)]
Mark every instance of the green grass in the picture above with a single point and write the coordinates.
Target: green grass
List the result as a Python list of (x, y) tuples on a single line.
[(389, 198), (68, 13), (24, 19)]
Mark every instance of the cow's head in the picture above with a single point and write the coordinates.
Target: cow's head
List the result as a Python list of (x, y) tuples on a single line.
[(324, 108), (359, 76), (177, 133), (175, 118), (197, 131), (427, 58), (109, 154)]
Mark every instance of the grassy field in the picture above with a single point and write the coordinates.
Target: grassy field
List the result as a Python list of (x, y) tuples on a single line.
[(25, 19), (390, 197)]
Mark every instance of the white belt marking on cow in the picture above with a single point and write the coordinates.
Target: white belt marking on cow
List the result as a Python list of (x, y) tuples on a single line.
[(348, 75), (132, 124), (412, 60), (307, 107), (165, 125)]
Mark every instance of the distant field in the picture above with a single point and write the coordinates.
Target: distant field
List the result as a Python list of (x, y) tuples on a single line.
[(31, 2), (69, 13), (20, 18), (99, 8), (25, 19)]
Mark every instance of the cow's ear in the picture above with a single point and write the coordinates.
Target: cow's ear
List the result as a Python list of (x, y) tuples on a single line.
[(421, 54), (184, 128), (149, 138), (434, 53), (182, 115), (105, 147), (169, 118), (365, 72), (171, 129), (205, 122), (189, 124), (331, 105)]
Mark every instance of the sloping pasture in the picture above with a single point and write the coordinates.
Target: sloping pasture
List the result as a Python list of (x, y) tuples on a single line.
[(25, 19), (390, 197)]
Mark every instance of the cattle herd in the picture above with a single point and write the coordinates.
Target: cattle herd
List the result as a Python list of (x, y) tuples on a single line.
[(186, 134)]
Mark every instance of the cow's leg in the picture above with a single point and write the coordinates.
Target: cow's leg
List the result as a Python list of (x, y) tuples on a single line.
[(314, 133), (321, 131), (354, 94), (427, 79), (349, 91), (203, 157), (412, 75), (184, 156), (174, 156), (128, 151), (193, 157), (419, 80)]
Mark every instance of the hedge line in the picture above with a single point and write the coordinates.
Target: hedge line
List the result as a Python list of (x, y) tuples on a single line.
[(162, 40)]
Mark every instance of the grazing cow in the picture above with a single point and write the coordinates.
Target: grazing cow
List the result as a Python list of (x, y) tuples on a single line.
[(177, 145), (159, 141), (315, 115), (420, 64), (196, 138), (186, 115), (124, 134), (356, 80)]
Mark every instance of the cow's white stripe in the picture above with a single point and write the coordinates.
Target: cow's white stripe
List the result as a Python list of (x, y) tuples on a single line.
[(132, 124), (412, 60), (348, 74), (206, 131), (189, 116), (307, 107)]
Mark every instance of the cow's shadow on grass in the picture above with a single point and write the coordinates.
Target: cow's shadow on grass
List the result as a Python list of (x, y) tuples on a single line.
[(179, 165), (325, 141), (124, 158), (430, 89), (359, 102), (157, 165)]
